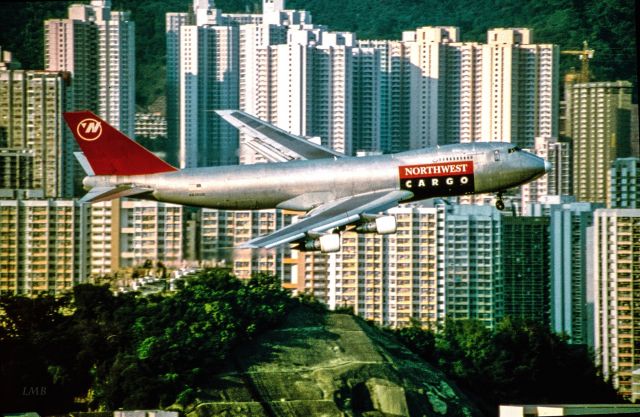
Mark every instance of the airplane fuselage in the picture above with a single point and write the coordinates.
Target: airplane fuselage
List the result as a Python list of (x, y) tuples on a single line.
[(300, 185)]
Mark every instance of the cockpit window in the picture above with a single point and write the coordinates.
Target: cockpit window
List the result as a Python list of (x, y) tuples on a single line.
[(514, 149)]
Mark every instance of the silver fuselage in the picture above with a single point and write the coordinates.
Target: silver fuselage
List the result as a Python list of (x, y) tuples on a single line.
[(301, 185)]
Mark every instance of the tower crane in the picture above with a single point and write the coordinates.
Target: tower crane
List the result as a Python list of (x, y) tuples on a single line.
[(585, 55)]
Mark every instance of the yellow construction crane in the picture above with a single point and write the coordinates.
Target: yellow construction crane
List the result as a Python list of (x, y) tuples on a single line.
[(585, 55)]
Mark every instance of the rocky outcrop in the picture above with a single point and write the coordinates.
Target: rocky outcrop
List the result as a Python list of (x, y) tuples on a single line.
[(329, 364)]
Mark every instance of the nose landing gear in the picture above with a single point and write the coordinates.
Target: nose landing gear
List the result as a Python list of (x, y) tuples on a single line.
[(499, 202)]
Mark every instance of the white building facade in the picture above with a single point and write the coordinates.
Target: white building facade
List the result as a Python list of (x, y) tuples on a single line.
[(208, 81), (502, 91), (616, 248), (97, 45), (127, 233)]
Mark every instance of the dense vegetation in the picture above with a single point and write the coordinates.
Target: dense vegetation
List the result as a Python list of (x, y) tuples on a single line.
[(104, 351), (608, 25), (113, 351), (517, 363)]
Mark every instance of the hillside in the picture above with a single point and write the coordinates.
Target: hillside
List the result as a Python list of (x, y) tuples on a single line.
[(608, 26), (329, 364)]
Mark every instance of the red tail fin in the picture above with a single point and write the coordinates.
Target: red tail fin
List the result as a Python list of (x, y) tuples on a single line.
[(109, 151)]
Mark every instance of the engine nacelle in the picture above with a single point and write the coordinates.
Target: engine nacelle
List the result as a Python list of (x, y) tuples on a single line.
[(326, 243), (383, 225)]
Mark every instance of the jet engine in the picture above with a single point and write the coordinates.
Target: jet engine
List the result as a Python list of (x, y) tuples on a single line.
[(326, 243), (382, 225)]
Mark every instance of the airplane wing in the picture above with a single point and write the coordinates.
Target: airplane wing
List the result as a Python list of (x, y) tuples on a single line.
[(99, 194), (267, 138), (331, 214)]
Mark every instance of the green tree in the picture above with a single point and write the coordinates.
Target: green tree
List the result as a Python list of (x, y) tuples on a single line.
[(518, 362), (180, 340), (37, 369), (421, 341)]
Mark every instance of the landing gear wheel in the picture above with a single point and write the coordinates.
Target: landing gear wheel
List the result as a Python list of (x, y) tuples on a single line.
[(499, 202)]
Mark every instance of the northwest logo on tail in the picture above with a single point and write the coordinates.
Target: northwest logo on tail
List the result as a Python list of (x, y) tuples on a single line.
[(89, 129)]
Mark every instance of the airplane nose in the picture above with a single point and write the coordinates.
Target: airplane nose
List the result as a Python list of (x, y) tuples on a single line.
[(532, 166)]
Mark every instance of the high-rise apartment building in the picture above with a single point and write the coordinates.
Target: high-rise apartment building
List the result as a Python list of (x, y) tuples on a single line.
[(472, 263), (313, 85), (624, 183), (209, 71), (150, 126), (150, 231), (298, 76), (51, 245), (393, 278), (32, 131), (104, 230), (616, 246), (427, 89), (126, 233), (221, 231), (559, 180), (257, 66), (16, 168), (569, 225), (310, 274), (635, 135), (72, 45), (97, 46), (457, 262), (556, 182), (173, 22), (43, 246), (504, 90), (258, 59), (363, 284), (203, 12), (395, 95), (16, 164), (431, 78), (518, 108), (598, 126), (329, 112), (524, 287), (367, 103), (116, 64)]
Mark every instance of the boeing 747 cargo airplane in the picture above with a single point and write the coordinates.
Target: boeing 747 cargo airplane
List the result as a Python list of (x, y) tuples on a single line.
[(334, 190)]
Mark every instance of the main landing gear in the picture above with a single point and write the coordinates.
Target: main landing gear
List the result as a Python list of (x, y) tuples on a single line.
[(499, 202)]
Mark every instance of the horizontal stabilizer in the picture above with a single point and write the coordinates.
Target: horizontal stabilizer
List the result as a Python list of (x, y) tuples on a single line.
[(99, 194), (84, 162)]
